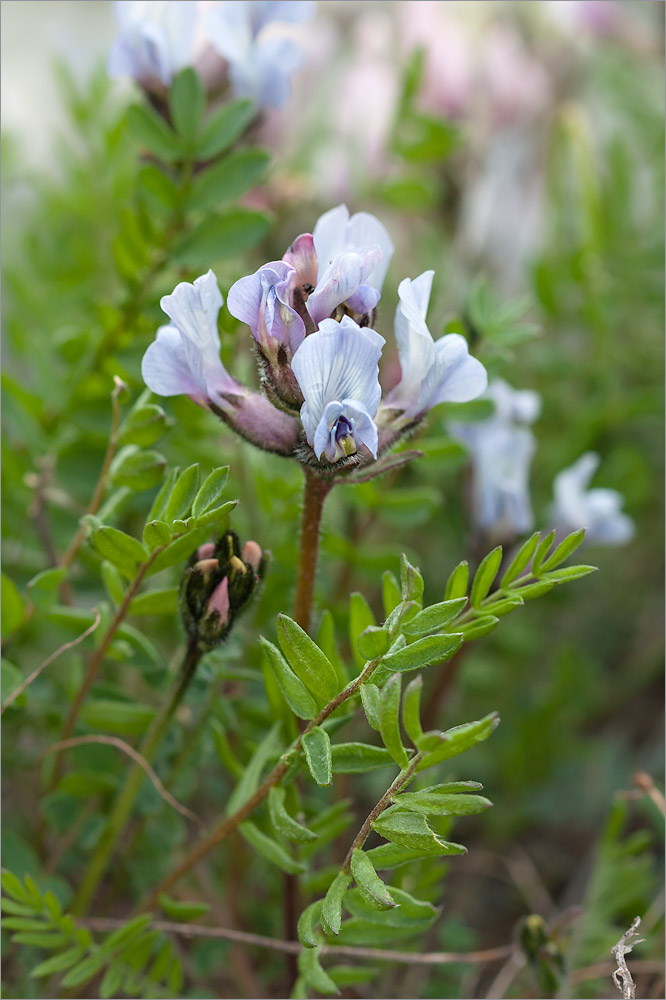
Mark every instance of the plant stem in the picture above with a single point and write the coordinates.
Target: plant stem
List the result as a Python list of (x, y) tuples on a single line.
[(316, 491), (127, 797), (231, 823), (363, 834), (98, 659)]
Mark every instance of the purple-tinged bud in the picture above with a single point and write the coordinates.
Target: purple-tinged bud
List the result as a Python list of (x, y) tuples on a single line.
[(206, 551), (253, 555), (219, 602)]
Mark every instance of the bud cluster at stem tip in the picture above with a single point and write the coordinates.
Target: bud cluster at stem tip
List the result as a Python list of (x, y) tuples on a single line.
[(218, 583)]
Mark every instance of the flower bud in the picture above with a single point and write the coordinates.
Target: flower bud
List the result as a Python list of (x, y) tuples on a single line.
[(218, 583)]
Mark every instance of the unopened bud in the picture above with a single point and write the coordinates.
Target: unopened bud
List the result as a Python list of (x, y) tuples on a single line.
[(253, 555), (206, 551), (219, 602)]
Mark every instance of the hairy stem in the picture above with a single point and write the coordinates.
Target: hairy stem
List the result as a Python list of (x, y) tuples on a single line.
[(316, 491), (125, 801), (228, 825), (385, 801)]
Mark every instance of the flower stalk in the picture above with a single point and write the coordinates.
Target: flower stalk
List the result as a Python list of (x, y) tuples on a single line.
[(316, 491)]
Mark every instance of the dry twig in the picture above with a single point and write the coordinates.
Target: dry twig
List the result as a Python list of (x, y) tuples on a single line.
[(622, 976)]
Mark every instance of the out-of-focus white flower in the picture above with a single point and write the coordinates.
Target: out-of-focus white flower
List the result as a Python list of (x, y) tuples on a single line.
[(597, 510), (501, 450), (156, 39)]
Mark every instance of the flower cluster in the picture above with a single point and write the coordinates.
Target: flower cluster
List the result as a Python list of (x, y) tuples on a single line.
[(218, 583), (242, 42), (312, 315)]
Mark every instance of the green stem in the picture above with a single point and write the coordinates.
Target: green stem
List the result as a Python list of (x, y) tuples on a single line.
[(127, 797), (316, 491)]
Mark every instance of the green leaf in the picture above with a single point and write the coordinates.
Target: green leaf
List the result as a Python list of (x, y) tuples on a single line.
[(187, 100), (372, 888), (221, 235), (430, 649), (180, 909), (436, 803), (128, 932), (295, 693), (520, 560), (137, 469), (317, 748), (357, 758), (285, 824), (113, 581), (10, 678), (409, 911), (209, 493), (163, 494), (478, 627), (156, 534), (331, 911), (160, 190), (566, 548), (411, 581), (509, 602), (326, 642), (179, 550), (269, 849), (308, 925), (412, 830), (360, 619), (532, 590), (249, 781), (123, 717), (121, 550), (57, 963), (484, 576), (541, 552), (434, 617), (149, 129), (391, 596), (456, 585), (388, 856), (411, 709), (567, 574), (112, 981), (389, 720), (228, 178), (13, 613), (373, 642), (85, 970), (43, 587), (224, 127), (307, 660), (370, 697), (213, 516), (35, 939), (156, 602), (14, 888), (312, 972), (181, 496), (455, 741), (143, 425)]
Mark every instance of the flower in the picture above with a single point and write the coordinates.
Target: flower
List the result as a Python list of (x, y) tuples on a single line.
[(502, 448), (156, 40), (597, 510), (337, 371), (433, 372), (185, 358), (260, 60)]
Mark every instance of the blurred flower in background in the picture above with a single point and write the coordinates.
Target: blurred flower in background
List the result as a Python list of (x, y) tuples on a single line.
[(597, 510)]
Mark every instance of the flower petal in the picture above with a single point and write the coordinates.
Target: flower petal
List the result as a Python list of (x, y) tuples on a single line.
[(341, 280), (459, 377), (165, 369), (335, 232)]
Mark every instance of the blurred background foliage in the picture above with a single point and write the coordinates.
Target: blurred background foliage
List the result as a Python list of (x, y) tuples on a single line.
[(539, 203)]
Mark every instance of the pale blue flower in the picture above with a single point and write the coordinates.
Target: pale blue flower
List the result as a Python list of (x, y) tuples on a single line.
[(261, 62), (336, 233), (501, 450), (185, 357), (598, 510), (263, 301), (433, 372), (337, 371), (155, 41)]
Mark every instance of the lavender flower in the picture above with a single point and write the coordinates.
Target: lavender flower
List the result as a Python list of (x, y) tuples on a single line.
[(156, 40), (597, 510), (433, 372), (501, 449), (337, 370), (260, 61)]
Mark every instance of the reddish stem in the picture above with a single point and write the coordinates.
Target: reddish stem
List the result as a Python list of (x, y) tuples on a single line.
[(316, 491)]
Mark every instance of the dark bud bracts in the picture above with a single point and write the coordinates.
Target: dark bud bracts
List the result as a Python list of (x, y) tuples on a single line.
[(218, 583)]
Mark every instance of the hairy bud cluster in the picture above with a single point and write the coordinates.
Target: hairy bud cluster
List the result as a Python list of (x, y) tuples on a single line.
[(218, 583)]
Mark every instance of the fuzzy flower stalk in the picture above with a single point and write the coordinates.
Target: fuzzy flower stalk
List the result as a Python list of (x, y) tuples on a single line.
[(312, 316)]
